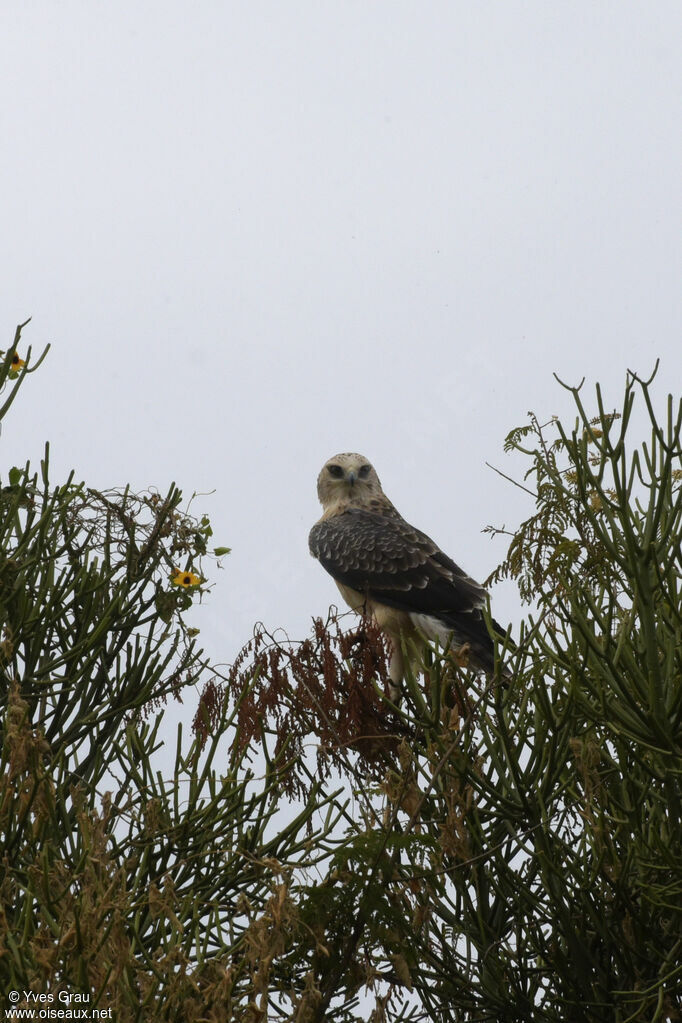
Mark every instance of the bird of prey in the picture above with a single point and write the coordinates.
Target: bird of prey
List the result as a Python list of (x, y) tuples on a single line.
[(386, 568)]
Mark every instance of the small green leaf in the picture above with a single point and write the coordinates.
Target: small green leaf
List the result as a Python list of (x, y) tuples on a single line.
[(15, 475), (220, 551), (165, 604)]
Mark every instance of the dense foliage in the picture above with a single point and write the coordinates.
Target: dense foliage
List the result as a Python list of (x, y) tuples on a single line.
[(475, 853), (117, 883)]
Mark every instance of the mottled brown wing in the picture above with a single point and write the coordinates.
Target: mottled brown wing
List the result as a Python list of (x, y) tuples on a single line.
[(394, 564)]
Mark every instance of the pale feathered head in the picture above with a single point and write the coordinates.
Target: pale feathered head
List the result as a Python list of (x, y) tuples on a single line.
[(348, 478)]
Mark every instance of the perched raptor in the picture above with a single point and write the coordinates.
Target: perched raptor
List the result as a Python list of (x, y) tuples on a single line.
[(385, 567)]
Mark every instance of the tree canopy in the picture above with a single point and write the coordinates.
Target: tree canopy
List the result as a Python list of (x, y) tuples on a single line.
[(477, 852)]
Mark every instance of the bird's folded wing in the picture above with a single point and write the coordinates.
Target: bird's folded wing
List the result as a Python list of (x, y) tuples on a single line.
[(393, 563)]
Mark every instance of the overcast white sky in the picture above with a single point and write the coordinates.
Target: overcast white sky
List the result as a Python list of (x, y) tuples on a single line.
[(258, 234)]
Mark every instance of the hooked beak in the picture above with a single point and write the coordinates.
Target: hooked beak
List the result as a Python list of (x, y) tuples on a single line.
[(352, 476)]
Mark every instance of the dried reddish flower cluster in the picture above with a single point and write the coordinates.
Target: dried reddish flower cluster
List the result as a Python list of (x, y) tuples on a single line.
[(328, 687)]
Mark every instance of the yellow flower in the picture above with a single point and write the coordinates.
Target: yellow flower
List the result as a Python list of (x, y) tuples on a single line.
[(16, 364), (185, 579)]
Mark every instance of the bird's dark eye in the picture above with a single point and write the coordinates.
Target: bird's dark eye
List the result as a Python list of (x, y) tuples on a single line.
[(364, 471), (336, 471)]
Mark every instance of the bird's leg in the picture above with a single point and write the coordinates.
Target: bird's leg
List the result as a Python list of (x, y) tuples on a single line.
[(396, 671)]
